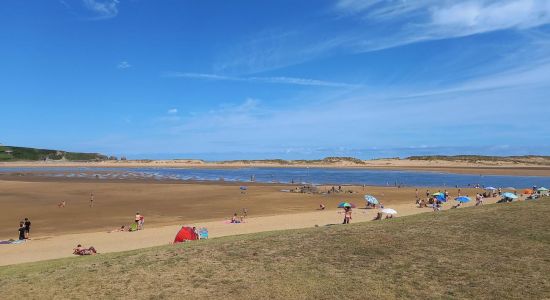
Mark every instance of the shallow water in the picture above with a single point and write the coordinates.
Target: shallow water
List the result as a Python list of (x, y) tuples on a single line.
[(297, 175)]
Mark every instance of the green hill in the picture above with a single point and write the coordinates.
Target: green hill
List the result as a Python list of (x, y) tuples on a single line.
[(10, 153), (499, 251)]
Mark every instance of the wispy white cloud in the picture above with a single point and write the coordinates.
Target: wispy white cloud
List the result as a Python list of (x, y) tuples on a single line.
[(279, 80), (173, 111), (123, 65), (373, 25), (103, 9), (425, 20)]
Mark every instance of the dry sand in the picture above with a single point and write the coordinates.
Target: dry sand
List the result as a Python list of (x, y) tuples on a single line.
[(166, 206)]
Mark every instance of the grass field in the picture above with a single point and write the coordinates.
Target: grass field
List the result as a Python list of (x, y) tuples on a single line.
[(497, 251)]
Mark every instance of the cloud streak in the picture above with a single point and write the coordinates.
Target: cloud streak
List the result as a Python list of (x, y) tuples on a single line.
[(364, 27), (103, 9), (274, 80), (123, 65)]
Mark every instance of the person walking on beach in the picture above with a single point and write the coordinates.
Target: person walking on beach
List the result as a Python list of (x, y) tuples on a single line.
[(27, 224), (92, 199)]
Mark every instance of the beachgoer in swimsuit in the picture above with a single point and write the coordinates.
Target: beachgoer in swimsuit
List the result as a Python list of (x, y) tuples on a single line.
[(91, 199), (79, 250), (347, 215), (235, 219)]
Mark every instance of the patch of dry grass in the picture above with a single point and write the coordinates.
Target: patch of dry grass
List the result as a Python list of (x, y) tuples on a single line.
[(491, 252)]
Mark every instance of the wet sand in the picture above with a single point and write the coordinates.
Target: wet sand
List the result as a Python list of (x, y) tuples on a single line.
[(162, 203)]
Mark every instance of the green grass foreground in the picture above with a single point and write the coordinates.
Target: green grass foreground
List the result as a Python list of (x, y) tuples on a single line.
[(497, 251)]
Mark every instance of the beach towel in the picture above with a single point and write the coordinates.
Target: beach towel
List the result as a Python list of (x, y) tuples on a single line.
[(203, 233), (133, 227), (11, 242)]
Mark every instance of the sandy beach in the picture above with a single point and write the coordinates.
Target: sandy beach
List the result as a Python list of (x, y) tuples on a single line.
[(166, 206)]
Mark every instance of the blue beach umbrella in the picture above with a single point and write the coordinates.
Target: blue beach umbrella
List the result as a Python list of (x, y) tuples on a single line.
[(441, 198), (509, 195), (370, 199), (490, 188), (463, 199)]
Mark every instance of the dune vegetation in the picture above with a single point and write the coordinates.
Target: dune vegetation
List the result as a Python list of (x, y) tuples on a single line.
[(10, 153), (499, 251)]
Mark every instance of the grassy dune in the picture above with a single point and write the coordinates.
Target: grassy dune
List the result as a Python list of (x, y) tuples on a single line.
[(494, 252), (33, 154)]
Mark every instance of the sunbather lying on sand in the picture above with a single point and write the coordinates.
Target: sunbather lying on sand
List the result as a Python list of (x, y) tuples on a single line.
[(79, 250), (122, 228)]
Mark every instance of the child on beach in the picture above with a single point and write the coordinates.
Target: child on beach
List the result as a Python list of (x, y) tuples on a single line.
[(137, 219), (61, 204)]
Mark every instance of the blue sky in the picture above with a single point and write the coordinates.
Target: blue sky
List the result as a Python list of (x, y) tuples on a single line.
[(287, 78)]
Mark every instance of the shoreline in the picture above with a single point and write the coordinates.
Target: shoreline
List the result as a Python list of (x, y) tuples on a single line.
[(389, 165)]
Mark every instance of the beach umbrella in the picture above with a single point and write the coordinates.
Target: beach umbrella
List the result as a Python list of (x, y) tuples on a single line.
[(438, 194), (370, 199), (527, 191), (243, 188), (542, 189), (463, 199), (388, 211), (441, 198), (490, 188), (509, 195), (346, 204)]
